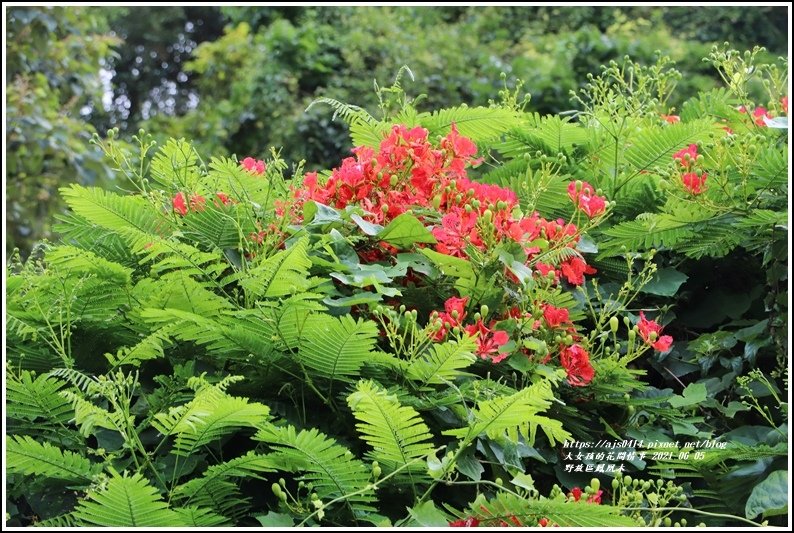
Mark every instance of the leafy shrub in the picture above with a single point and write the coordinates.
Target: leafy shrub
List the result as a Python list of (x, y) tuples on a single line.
[(411, 337)]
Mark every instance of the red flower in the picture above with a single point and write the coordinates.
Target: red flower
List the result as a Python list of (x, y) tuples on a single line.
[(784, 103), (576, 494), (467, 522), (225, 200), (595, 498), (672, 119), (544, 522), (554, 316), (576, 362), (254, 166), (574, 269), (759, 113), (693, 182), (586, 199), (651, 333), (488, 341), (453, 315), (687, 156), (197, 202), (180, 206), (456, 230)]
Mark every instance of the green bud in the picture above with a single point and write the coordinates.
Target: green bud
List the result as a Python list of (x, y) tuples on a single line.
[(595, 483), (613, 324), (283, 497), (615, 484), (393, 181), (484, 310), (487, 215), (499, 481), (276, 489)]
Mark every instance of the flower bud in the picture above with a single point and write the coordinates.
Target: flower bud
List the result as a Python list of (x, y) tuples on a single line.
[(613, 324), (487, 215)]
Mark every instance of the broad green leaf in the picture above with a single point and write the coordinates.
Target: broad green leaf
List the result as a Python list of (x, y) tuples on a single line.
[(770, 497), (693, 394), (665, 282), (405, 231)]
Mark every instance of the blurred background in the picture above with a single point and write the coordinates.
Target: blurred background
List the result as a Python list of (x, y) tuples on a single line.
[(237, 80)]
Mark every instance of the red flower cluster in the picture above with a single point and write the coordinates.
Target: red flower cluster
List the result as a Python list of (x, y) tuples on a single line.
[(452, 317), (488, 340), (584, 197), (671, 119), (465, 522), (254, 166), (760, 112), (408, 172), (651, 333), (576, 494), (576, 362), (694, 181), (180, 205), (197, 202), (687, 156), (555, 316)]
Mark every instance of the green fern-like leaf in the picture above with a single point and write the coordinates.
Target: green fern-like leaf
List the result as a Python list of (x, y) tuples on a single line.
[(64, 520), (89, 416), (514, 510), (24, 455), (282, 274), (114, 212), (243, 335), (324, 463), (150, 347), (36, 399), (229, 177), (770, 169), (87, 235), (336, 348), (71, 259), (208, 417), (713, 240), (245, 465), (477, 123), (655, 145), (442, 363), (648, 231), (715, 104), (127, 501), (179, 290), (396, 433), (199, 517), (363, 133), (514, 415), (175, 166), (219, 226)]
